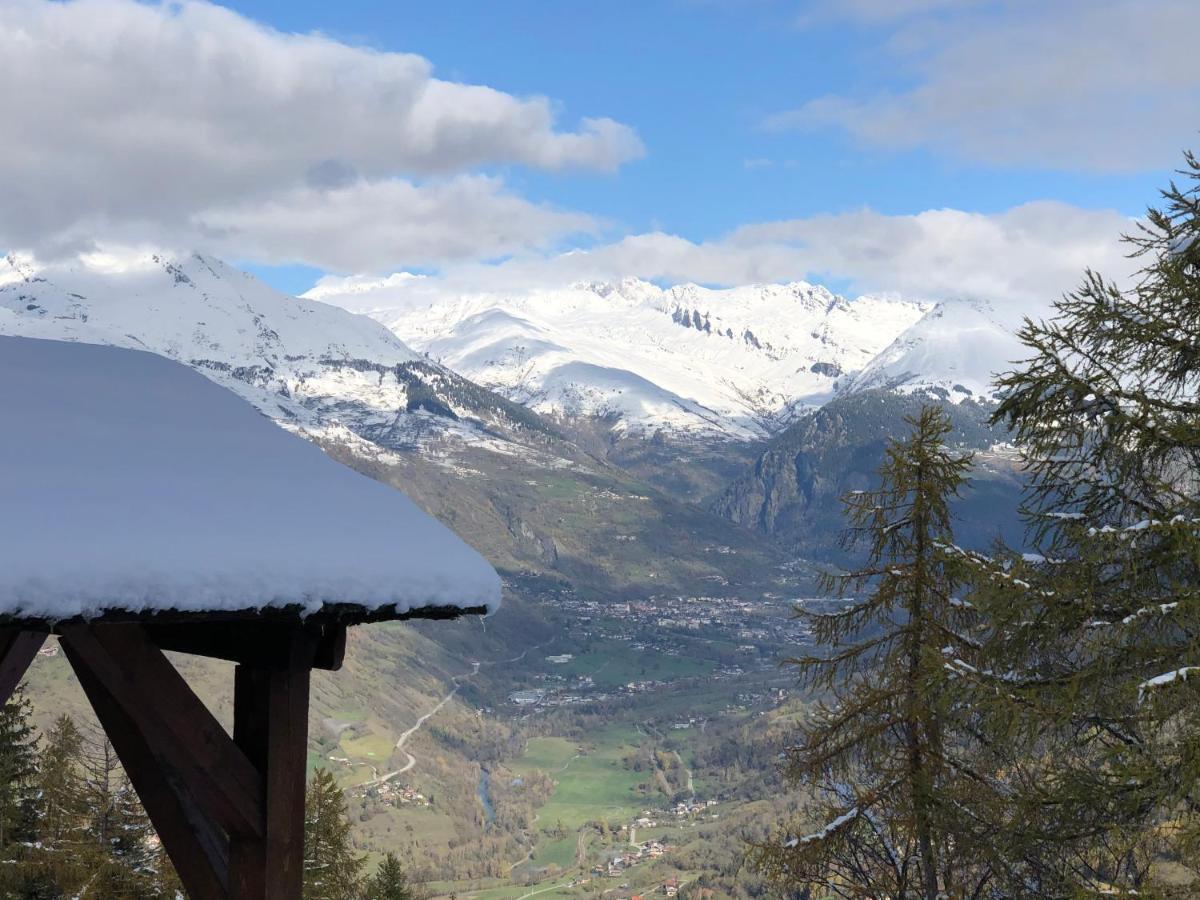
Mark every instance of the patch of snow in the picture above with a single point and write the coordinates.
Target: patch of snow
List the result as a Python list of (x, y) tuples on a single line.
[(846, 817), (1164, 679), (308, 365)]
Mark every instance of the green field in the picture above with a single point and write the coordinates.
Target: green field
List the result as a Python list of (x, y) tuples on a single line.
[(559, 853), (549, 754), (515, 893), (594, 786), (373, 746)]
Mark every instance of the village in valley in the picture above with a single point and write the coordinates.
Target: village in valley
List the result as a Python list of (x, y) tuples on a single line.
[(615, 720)]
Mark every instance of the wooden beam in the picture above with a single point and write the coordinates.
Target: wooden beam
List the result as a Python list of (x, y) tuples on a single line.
[(254, 643), (18, 647), (180, 731), (197, 849), (271, 726)]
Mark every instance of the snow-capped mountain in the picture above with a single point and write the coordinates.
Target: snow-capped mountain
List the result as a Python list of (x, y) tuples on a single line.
[(312, 366), (733, 363), (957, 347), (739, 363)]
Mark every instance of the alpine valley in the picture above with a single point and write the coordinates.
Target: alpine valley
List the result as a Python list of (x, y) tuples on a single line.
[(656, 473)]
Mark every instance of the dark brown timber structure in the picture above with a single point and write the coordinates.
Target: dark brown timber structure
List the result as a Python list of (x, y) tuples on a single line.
[(229, 808)]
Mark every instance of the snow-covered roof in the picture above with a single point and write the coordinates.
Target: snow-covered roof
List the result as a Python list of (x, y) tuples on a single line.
[(129, 482)]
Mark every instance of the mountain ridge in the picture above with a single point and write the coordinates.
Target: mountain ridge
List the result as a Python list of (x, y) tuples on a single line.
[(733, 364), (309, 365)]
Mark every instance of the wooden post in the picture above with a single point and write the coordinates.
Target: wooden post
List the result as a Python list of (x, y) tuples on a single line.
[(270, 724)]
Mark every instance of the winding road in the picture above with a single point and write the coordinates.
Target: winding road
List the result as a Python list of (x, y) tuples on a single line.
[(457, 681)]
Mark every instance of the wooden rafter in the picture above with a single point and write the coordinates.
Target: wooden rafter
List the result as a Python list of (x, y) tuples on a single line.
[(255, 642)]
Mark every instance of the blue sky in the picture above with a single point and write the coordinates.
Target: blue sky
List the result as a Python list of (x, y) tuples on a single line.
[(697, 80), (728, 119)]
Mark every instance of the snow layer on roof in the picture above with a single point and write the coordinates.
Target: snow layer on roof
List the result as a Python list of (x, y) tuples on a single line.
[(130, 482)]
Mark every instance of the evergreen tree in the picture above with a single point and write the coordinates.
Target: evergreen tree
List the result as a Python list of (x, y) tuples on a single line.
[(1097, 634), (134, 845), (888, 760), (19, 810), (59, 862), (331, 868), (390, 882), (61, 783)]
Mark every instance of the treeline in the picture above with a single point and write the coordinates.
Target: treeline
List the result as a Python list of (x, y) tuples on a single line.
[(1026, 724)]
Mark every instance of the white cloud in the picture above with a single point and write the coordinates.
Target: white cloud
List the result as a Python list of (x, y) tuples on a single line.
[(353, 228), (1074, 84), (170, 122), (1019, 259)]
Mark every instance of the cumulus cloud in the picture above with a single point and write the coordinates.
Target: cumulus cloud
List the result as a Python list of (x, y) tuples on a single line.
[(182, 122), (1067, 85), (352, 228), (1020, 259)]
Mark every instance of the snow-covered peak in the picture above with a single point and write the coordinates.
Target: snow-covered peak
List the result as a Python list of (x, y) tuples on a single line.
[(958, 347), (193, 308), (734, 362), (312, 366)]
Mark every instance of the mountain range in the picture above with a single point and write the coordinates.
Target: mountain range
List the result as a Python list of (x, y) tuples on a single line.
[(611, 435), (734, 364)]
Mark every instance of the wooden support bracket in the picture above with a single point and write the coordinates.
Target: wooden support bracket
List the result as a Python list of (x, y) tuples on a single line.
[(229, 810), (196, 846), (18, 647), (174, 721)]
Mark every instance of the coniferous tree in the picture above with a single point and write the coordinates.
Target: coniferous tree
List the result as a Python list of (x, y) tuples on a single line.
[(390, 882), (331, 868), (888, 760), (64, 808), (134, 845), (62, 859), (19, 810), (1095, 636)]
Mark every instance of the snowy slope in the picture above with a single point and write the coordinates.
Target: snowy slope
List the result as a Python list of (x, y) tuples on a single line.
[(957, 347), (138, 484), (730, 363), (310, 365)]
